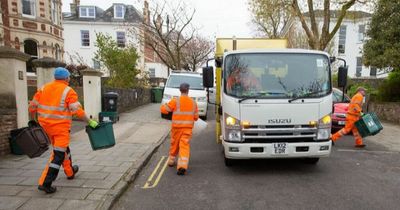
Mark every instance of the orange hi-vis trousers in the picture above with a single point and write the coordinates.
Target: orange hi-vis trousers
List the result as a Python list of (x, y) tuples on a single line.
[(349, 126), (60, 156), (180, 143)]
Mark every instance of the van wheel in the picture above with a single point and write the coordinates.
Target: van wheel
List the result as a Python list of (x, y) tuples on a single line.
[(229, 162), (312, 161)]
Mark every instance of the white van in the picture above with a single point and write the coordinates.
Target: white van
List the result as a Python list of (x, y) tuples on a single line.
[(196, 91)]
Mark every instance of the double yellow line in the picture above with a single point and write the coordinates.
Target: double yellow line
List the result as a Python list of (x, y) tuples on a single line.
[(161, 172)]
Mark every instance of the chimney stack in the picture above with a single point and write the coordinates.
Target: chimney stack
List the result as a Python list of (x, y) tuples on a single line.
[(146, 12), (74, 7)]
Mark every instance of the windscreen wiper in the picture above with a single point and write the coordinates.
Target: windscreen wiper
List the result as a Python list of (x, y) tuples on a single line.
[(258, 95), (248, 97), (303, 96)]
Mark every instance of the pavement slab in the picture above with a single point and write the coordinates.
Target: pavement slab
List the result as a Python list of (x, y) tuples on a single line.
[(6, 190), (78, 205), (42, 204), (7, 202), (70, 193)]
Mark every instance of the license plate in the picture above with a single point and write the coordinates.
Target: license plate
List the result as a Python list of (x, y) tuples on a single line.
[(341, 122), (106, 119), (280, 148)]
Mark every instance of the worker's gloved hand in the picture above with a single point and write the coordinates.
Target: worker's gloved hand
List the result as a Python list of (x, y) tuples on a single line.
[(93, 123), (362, 114)]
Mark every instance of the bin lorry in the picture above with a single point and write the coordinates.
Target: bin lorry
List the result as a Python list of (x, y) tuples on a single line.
[(271, 101)]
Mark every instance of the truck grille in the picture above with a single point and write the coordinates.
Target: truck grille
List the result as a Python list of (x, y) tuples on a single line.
[(279, 133)]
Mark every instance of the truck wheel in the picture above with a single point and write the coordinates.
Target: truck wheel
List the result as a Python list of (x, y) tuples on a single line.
[(228, 162), (311, 160)]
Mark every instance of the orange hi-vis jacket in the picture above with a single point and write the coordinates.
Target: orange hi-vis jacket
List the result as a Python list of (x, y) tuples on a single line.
[(355, 106), (55, 103), (184, 110)]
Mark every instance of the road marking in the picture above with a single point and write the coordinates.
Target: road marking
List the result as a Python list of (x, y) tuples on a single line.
[(161, 172), (367, 151)]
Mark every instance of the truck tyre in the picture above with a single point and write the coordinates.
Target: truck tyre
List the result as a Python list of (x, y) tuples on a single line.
[(312, 161), (228, 162)]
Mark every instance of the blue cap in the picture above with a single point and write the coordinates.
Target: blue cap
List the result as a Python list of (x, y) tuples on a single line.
[(61, 73)]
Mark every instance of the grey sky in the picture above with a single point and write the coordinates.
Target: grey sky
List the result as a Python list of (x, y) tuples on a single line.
[(216, 18)]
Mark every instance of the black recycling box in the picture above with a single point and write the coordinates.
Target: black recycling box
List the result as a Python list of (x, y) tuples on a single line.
[(33, 140)]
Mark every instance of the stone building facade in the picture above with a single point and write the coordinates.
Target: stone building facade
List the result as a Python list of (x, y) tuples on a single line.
[(33, 27)]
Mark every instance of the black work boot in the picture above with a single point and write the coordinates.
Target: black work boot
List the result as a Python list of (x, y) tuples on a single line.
[(47, 189), (75, 169), (181, 171)]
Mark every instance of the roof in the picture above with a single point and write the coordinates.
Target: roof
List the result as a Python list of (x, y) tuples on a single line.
[(185, 73), (336, 13), (131, 15), (288, 50)]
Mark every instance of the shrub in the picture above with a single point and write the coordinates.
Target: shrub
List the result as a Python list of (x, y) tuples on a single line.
[(390, 89), (372, 92)]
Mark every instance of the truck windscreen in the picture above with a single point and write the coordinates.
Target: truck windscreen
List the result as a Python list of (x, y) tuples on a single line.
[(195, 83), (276, 75)]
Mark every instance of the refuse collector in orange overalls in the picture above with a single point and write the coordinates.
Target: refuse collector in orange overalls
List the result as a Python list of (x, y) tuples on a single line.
[(354, 113), (54, 104), (184, 113)]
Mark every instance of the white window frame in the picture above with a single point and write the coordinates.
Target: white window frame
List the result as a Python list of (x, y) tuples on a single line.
[(58, 52), (359, 66), (152, 72), (32, 4), (361, 33), (87, 9), (115, 11), (54, 12), (119, 41), (82, 31), (342, 39), (96, 64)]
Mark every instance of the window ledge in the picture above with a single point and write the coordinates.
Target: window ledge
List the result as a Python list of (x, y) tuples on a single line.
[(29, 16)]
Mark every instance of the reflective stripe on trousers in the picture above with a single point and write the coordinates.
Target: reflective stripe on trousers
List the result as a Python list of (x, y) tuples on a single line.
[(180, 145), (59, 156), (349, 126)]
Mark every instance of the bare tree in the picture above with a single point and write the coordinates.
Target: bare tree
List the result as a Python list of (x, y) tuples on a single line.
[(167, 30), (270, 16), (320, 38), (196, 52)]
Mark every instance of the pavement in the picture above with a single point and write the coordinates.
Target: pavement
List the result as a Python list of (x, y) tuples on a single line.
[(103, 175)]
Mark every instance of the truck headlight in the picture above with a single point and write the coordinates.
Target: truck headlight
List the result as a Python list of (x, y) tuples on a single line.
[(324, 127), (232, 128), (202, 99)]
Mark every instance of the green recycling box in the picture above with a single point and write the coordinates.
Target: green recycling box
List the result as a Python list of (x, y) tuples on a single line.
[(369, 125), (102, 136)]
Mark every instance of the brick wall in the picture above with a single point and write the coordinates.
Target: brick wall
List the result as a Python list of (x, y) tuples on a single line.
[(130, 98), (386, 111), (8, 121)]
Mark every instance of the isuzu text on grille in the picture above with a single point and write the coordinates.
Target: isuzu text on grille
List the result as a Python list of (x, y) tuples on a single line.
[(279, 121)]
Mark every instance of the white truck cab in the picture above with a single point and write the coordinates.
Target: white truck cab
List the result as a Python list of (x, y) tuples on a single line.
[(272, 103), (196, 89)]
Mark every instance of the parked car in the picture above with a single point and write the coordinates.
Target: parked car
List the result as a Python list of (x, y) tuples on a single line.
[(197, 91), (340, 106)]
